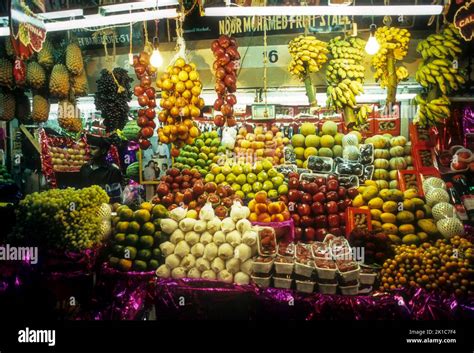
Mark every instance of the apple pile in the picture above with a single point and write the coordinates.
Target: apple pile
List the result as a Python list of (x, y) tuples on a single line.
[(318, 207), (68, 158), (377, 245), (225, 67), (261, 144), (146, 98), (264, 210)]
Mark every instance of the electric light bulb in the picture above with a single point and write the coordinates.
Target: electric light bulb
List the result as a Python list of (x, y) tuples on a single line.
[(372, 46), (130, 59), (156, 60)]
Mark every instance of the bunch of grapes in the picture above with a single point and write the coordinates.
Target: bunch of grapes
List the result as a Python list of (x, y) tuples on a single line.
[(111, 99), (66, 219)]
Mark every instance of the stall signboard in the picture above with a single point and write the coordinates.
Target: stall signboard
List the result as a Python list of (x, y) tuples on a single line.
[(464, 20), (28, 31)]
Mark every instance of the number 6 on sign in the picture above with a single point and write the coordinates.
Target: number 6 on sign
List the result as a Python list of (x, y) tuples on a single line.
[(272, 56)]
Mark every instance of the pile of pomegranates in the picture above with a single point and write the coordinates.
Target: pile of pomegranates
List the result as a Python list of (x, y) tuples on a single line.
[(226, 64)]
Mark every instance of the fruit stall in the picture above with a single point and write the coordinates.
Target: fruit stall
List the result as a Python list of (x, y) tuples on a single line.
[(331, 177)]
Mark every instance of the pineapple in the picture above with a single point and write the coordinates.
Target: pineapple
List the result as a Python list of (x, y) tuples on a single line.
[(69, 116), (45, 55), (35, 75), (9, 47), (74, 59), (80, 85), (7, 106), (6, 72), (40, 111), (59, 81)]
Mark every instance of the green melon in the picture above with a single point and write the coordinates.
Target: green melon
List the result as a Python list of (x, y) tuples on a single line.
[(131, 130)]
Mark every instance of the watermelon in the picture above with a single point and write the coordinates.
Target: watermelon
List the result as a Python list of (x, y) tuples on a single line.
[(131, 130), (133, 171)]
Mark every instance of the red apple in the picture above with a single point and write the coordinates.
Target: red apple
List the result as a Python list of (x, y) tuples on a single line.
[(293, 183), (304, 185), (320, 181), (317, 208), (341, 205), (293, 175), (312, 188), (321, 221), (348, 202), (298, 233), (296, 219), (332, 177), (306, 221), (333, 220), (294, 195), (352, 192), (336, 231), (321, 233), (331, 207), (310, 233), (319, 197), (332, 185), (332, 196), (304, 210), (307, 198), (341, 192), (323, 189)]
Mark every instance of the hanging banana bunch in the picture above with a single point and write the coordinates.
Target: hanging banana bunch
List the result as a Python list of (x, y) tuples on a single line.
[(345, 77), (308, 56), (393, 47), (438, 72), (362, 117)]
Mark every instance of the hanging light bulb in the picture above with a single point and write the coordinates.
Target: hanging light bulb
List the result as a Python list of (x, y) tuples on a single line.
[(156, 60), (372, 46), (130, 59)]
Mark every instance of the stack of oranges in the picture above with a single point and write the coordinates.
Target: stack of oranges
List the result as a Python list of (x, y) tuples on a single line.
[(180, 102), (264, 210)]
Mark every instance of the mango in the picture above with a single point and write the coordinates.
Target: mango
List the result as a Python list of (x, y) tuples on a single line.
[(369, 193), (395, 238), (381, 184), (428, 226), (370, 183), (393, 174), (376, 202), (405, 229), (375, 213), (405, 217), (419, 214), (419, 203), (376, 225), (408, 205), (427, 210), (410, 194), (410, 239), (358, 201), (423, 236), (388, 217), (390, 206), (389, 228)]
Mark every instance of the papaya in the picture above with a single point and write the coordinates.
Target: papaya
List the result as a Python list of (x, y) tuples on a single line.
[(405, 217)]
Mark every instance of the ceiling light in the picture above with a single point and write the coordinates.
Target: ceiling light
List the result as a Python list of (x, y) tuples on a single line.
[(372, 46), (61, 14), (141, 5), (389, 10)]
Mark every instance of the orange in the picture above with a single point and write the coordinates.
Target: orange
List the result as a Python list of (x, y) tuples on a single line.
[(261, 208), (264, 217), (261, 197), (252, 205), (253, 217)]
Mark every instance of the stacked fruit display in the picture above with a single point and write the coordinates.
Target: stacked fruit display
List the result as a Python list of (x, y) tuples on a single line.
[(263, 210), (391, 154), (207, 247), (226, 64), (345, 77), (403, 216), (137, 237), (260, 144), (145, 94), (393, 47), (308, 143), (205, 150), (112, 97), (64, 219), (318, 207), (67, 159), (246, 180), (445, 266), (437, 73), (180, 99)]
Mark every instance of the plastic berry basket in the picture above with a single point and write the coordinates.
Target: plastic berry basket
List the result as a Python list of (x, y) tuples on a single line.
[(327, 288), (262, 267), (305, 286), (350, 290), (282, 282), (262, 282)]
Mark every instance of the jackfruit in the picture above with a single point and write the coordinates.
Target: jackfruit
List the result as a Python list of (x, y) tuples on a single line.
[(7, 106), (80, 85), (59, 81), (45, 55), (6, 72), (40, 111), (74, 61), (35, 75)]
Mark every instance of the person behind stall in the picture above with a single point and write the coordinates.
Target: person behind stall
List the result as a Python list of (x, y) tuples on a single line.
[(149, 172), (98, 171)]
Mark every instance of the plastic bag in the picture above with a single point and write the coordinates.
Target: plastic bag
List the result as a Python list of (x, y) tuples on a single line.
[(228, 137), (133, 195)]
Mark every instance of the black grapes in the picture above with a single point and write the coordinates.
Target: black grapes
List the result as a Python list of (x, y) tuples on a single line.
[(112, 104)]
